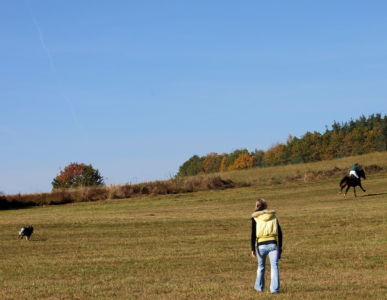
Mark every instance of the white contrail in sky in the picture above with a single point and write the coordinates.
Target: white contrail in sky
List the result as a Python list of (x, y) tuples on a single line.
[(52, 66), (44, 46)]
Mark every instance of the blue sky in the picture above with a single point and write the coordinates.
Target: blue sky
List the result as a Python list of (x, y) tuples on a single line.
[(135, 88)]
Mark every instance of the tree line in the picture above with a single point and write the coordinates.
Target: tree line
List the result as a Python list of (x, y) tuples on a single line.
[(361, 136)]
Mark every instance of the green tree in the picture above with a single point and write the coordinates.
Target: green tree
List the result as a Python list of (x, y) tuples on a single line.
[(212, 162), (276, 155), (191, 167), (258, 157)]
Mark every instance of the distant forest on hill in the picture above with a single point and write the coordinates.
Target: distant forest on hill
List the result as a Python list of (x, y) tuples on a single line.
[(364, 135)]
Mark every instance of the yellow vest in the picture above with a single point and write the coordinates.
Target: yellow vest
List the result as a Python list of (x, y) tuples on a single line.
[(266, 225)]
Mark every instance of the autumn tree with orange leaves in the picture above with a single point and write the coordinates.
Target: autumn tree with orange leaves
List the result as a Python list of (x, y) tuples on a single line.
[(77, 175), (243, 161)]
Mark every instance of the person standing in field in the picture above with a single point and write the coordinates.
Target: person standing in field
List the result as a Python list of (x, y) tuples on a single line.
[(266, 240)]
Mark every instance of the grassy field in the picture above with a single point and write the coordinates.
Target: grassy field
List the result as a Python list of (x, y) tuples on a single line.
[(196, 246)]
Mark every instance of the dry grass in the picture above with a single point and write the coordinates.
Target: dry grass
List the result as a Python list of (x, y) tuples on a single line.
[(86, 194), (196, 245)]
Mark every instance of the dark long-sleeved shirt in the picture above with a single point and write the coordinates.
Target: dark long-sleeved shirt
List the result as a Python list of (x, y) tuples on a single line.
[(254, 235)]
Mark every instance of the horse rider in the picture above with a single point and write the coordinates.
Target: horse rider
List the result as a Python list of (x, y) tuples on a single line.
[(354, 169)]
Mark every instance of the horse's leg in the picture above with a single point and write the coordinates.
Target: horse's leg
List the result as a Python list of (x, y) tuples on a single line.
[(362, 187), (343, 184), (354, 191), (346, 191)]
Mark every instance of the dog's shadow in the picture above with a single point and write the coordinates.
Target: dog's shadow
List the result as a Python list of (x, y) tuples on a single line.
[(38, 239)]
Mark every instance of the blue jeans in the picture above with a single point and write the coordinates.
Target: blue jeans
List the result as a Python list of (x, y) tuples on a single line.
[(272, 251)]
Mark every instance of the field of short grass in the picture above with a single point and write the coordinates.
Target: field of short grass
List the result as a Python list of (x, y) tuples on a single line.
[(196, 246)]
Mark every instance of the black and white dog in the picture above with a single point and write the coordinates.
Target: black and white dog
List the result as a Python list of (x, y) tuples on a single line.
[(26, 232)]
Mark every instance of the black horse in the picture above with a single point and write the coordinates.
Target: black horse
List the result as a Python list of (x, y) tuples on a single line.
[(349, 181)]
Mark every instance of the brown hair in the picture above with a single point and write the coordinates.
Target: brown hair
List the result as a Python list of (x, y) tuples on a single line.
[(260, 204)]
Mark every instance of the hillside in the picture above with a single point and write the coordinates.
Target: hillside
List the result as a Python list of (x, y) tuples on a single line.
[(196, 245), (287, 173), (356, 137)]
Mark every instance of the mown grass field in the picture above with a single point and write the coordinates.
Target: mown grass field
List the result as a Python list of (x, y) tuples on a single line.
[(197, 245)]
